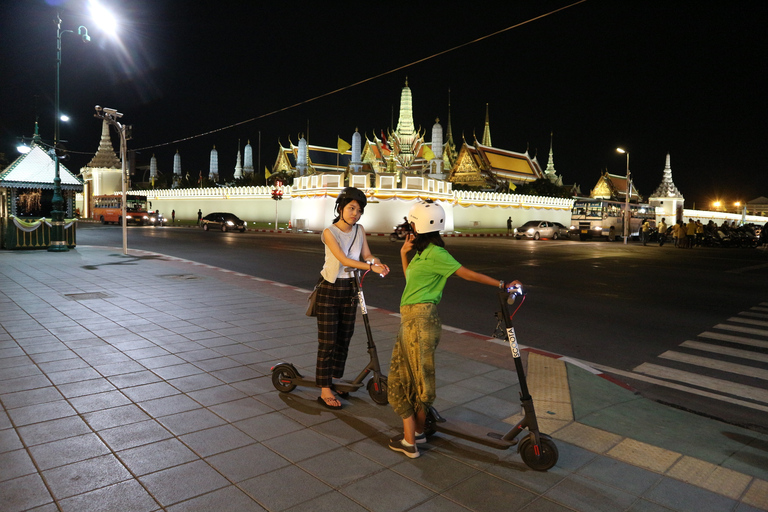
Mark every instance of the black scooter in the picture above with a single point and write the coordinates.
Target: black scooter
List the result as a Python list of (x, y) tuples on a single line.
[(285, 376), (537, 450)]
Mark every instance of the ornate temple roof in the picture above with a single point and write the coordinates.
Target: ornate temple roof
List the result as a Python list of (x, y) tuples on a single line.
[(320, 159), (37, 169), (505, 164), (613, 186)]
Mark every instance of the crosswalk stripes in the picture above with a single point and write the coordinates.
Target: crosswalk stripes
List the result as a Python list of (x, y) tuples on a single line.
[(708, 366)]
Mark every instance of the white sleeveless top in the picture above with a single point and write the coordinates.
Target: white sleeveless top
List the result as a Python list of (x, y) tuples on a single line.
[(333, 269)]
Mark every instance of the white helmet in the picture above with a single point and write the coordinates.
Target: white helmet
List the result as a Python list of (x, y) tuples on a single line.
[(427, 217)]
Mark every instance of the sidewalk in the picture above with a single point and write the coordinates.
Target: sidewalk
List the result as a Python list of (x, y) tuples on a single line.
[(142, 383)]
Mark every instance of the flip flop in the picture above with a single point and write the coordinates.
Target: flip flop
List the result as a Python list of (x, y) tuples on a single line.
[(343, 394), (324, 401)]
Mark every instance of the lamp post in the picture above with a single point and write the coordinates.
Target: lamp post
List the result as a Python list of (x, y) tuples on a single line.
[(111, 116), (626, 198), (58, 244)]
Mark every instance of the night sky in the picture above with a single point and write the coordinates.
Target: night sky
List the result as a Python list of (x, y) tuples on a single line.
[(684, 77)]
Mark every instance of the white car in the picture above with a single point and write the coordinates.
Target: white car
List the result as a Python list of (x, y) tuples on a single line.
[(536, 229)]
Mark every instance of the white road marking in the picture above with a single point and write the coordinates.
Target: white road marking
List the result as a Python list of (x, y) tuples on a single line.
[(726, 351), (716, 364)]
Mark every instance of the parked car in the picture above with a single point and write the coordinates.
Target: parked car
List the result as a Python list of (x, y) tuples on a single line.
[(222, 221), (562, 231), (537, 229)]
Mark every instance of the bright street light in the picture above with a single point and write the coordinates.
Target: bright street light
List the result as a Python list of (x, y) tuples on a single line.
[(626, 195), (102, 15)]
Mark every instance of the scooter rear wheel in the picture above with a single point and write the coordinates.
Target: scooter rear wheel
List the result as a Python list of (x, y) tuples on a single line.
[(545, 460), (282, 378), (378, 395)]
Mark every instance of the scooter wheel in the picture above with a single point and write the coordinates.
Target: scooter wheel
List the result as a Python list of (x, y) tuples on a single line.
[(378, 395), (282, 378), (542, 461)]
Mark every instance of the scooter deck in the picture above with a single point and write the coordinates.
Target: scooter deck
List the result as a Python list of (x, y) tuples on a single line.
[(475, 433), (343, 387)]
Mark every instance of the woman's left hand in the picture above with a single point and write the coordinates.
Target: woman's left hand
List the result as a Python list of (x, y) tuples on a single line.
[(380, 268)]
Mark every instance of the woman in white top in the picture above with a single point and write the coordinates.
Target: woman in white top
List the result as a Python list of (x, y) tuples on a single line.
[(345, 243)]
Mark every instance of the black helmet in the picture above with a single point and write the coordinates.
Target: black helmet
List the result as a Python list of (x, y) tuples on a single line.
[(351, 194)]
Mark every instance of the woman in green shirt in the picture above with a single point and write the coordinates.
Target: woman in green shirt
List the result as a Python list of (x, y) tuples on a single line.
[(411, 380)]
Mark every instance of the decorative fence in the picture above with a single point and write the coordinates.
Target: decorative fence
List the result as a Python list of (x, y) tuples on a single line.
[(21, 234)]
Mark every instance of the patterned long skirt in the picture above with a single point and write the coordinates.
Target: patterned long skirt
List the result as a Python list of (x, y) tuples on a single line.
[(411, 379)]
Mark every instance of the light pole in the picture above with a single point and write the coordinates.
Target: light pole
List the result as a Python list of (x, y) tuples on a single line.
[(626, 198), (111, 116), (58, 244)]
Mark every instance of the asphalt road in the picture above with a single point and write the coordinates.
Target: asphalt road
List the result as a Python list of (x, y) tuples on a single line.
[(660, 319)]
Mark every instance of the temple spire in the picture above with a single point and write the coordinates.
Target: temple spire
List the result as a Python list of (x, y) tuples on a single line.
[(448, 132), (667, 187), (550, 170), (105, 157), (487, 130)]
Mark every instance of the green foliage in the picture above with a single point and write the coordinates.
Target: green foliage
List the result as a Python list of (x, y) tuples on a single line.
[(541, 187)]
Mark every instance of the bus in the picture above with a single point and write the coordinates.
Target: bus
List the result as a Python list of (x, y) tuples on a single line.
[(108, 209), (603, 218)]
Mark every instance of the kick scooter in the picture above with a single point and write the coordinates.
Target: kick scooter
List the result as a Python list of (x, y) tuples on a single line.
[(285, 376), (537, 450)]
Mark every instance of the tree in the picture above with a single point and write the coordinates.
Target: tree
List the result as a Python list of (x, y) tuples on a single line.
[(541, 187)]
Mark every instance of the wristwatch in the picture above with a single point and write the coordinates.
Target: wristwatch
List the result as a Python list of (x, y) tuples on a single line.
[(501, 284)]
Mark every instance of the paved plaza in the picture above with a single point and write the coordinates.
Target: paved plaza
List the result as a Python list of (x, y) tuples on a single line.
[(143, 383)]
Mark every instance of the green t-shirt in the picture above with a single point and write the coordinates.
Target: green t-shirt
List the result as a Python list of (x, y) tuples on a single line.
[(426, 275)]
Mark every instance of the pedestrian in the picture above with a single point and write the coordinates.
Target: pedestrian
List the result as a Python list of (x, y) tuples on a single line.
[(509, 226), (345, 243), (699, 233), (199, 216), (612, 234), (411, 379), (662, 232), (173, 216), (690, 233), (645, 231)]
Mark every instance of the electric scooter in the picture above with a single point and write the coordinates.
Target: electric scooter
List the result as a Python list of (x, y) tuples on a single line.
[(537, 450), (285, 376)]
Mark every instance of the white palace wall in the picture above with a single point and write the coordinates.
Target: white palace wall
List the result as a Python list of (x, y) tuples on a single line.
[(308, 205)]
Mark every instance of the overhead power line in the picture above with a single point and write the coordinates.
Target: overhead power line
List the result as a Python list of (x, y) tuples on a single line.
[(360, 82)]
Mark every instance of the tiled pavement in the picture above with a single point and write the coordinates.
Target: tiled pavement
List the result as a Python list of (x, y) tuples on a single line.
[(142, 382)]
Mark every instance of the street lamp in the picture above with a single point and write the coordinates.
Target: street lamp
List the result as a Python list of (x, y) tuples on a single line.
[(58, 244), (111, 116), (626, 200)]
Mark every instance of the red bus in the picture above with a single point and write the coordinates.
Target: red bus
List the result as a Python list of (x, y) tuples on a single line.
[(108, 209)]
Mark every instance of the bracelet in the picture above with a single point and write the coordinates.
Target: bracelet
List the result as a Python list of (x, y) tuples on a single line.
[(370, 266), (501, 284)]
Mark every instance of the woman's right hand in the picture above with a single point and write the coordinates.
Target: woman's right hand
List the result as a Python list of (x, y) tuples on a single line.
[(407, 244)]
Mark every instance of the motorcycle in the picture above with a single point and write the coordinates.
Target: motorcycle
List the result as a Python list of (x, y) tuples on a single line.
[(400, 232)]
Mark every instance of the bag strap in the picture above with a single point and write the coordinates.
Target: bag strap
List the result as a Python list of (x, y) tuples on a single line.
[(353, 240)]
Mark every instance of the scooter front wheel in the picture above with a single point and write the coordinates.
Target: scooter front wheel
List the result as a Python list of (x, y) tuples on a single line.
[(377, 388), (545, 459), (283, 376)]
